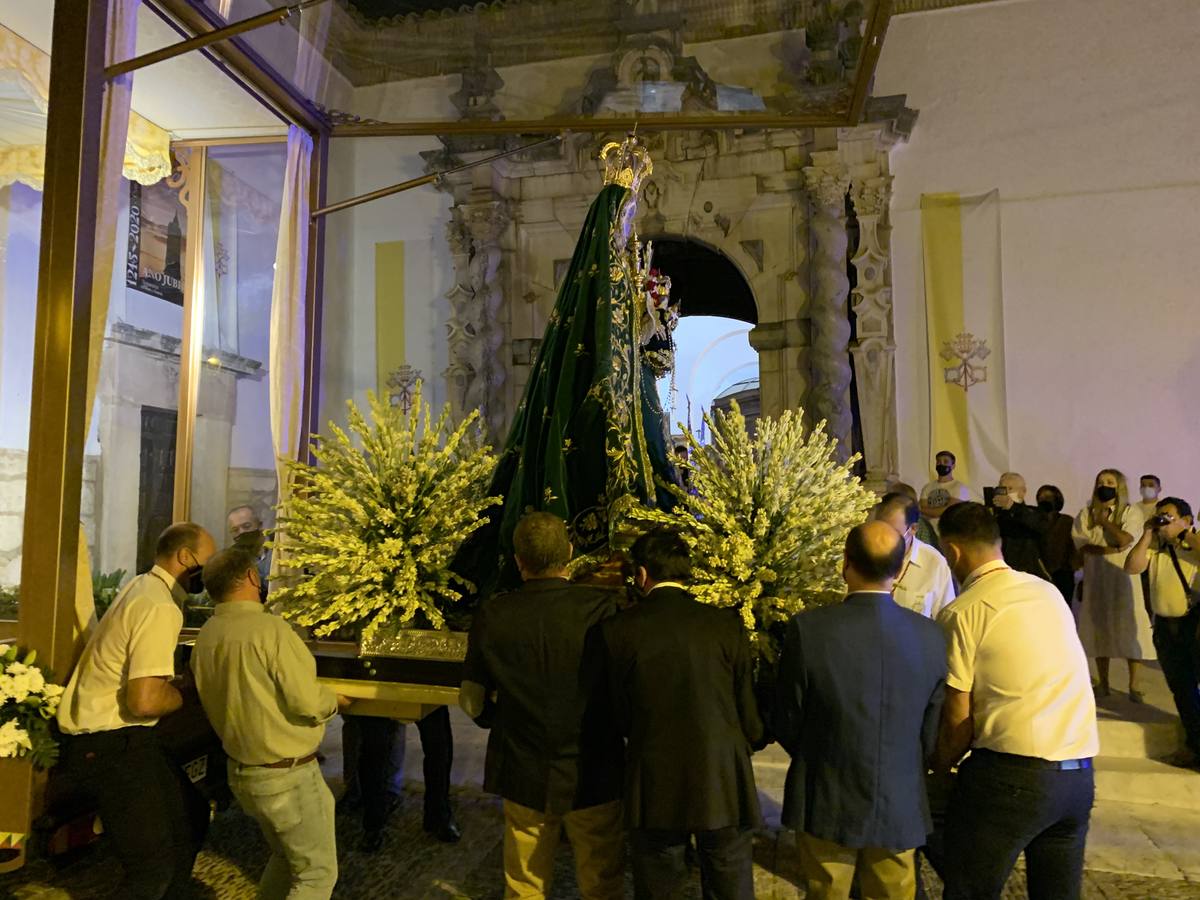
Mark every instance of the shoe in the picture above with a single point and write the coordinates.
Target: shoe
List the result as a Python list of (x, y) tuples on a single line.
[(372, 842), (1136, 696), (1100, 690), (448, 832), (1183, 758)]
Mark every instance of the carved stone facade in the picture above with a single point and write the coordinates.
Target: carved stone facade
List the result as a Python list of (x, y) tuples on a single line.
[(476, 375), (768, 201), (866, 153), (827, 183)]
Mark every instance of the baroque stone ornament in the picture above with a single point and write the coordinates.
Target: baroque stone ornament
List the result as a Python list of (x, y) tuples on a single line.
[(874, 351), (967, 352), (476, 374), (828, 182)]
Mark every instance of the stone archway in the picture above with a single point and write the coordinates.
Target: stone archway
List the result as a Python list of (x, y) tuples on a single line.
[(706, 281), (713, 354), (769, 202)]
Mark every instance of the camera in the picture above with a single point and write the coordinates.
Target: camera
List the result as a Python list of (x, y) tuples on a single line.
[(1159, 521)]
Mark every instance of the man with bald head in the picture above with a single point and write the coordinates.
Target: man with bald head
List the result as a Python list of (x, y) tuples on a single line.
[(1022, 527), (858, 702)]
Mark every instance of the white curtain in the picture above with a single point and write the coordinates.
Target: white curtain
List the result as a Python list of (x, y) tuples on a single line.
[(24, 99), (121, 44), (286, 356)]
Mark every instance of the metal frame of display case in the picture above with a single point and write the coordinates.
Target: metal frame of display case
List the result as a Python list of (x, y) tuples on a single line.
[(64, 336)]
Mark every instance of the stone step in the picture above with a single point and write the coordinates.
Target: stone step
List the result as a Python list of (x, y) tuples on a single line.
[(1132, 780), (1145, 839), (1139, 740)]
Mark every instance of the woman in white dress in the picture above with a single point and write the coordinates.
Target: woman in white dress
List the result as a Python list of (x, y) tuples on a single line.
[(1113, 620)]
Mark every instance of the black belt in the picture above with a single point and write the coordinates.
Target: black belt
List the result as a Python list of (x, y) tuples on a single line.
[(1033, 762), (283, 763)]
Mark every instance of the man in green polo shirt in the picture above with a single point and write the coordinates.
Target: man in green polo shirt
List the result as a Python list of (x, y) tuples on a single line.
[(258, 684)]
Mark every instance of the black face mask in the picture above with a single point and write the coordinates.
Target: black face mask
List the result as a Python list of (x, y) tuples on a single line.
[(251, 540), (944, 470), (192, 580), (1105, 493), (1046, 506)]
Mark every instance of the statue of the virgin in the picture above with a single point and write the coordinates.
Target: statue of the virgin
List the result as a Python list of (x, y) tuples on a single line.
[(590, 431)]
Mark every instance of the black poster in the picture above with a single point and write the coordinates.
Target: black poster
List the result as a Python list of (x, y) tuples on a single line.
[(157, 224)]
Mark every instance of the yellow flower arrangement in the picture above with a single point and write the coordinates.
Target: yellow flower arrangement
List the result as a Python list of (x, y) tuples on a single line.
[(370, 530), (766, 519)]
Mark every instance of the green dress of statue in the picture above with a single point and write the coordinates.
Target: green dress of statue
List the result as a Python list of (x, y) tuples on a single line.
[(589, 431)]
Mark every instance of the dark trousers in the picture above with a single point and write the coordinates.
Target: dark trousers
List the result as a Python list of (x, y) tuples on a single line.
[(373, 749), (1179, 655), (1000, 809), (660, 869), (154, 818)]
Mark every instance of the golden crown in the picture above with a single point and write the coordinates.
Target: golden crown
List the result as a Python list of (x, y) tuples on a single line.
[(627, 163)]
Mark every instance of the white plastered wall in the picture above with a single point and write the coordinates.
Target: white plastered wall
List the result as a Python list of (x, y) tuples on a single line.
[(417, 217), (1085, 114)]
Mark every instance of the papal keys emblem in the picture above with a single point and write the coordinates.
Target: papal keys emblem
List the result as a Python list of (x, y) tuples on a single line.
[(968, 352)]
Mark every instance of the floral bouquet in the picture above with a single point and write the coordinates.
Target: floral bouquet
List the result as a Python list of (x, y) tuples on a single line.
[(369, 532), (766, 519), (28, 702)]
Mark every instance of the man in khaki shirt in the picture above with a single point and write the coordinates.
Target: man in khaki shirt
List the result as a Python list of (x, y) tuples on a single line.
[(258, 684)]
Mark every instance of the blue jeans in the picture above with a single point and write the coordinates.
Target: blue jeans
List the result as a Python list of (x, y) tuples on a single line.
[(999, 809), (294, 809)]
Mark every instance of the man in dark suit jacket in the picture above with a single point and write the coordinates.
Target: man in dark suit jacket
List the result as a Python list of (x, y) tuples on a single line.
[(680, 673), (859, 697), (554, 754)]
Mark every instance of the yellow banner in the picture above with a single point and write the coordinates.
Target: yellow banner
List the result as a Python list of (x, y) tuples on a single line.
[(965, 329), (389, 311)]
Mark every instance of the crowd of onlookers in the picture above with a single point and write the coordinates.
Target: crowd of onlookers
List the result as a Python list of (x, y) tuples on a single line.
[(1130, 568), (627, 719)]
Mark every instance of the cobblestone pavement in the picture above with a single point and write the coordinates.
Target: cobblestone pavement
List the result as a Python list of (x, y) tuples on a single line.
[(411, 865)]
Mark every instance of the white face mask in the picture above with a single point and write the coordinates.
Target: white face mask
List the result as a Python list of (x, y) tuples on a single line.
[(1149, 493)]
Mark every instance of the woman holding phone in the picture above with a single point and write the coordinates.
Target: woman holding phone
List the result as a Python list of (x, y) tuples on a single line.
[(1113, 621)]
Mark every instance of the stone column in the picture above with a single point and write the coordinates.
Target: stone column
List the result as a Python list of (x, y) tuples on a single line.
[(827, 181), (875, 348), (476, 373)]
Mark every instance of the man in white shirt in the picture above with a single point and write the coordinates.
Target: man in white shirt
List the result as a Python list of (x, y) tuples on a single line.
[(258, 684), (1150, 488), (1169, 550), (123, 684), (925, 585), (1019, 697), (945, 491)]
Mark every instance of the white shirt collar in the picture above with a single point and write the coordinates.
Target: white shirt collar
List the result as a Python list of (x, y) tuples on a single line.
[(987, 568), (663, 584)]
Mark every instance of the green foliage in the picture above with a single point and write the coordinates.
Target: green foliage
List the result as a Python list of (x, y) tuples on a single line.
[(10, 601), (768, 520), (28, 701), (105, 588), (369, 532)]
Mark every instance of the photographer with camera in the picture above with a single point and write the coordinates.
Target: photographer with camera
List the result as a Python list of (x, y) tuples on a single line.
[(1022, 529), (1169, 550)]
